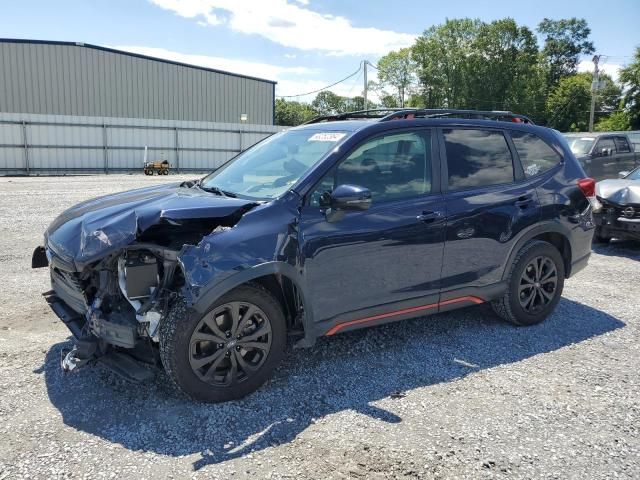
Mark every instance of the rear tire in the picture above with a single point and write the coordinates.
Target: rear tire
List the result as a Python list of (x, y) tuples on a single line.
[(230, 351), (534, 285)]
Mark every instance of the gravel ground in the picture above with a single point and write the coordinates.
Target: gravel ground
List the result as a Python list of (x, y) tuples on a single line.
[(454, 395)]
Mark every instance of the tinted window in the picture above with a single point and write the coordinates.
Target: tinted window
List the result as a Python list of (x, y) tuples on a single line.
[(622, 145), (535, 155), (392, 166), (477, 158)]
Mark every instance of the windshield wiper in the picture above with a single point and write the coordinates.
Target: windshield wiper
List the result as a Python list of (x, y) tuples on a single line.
[(217, 191)]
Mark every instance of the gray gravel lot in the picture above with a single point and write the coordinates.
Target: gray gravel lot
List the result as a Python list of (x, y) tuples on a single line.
[(454, 395)]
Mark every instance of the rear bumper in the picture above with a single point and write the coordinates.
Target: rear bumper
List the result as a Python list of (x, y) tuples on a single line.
[(580, 264)]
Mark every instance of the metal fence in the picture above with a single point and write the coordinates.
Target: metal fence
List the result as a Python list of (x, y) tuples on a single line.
[(51, 144)]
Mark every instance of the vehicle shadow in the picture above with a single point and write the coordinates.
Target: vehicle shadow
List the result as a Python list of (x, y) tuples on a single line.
[(619, 248), (351, 371)]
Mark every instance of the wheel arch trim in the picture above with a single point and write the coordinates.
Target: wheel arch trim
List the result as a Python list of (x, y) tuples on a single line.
[(210, 295), (536, 231)]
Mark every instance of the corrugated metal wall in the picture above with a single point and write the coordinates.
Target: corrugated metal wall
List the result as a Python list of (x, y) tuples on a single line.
[(67, 144), (61, 78)]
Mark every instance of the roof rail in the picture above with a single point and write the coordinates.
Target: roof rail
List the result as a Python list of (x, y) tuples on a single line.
[(356, 115), (452, 112), (386, 114)]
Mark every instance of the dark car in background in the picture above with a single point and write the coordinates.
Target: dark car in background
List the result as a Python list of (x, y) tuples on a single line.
[(603, 155), (619, 216), (350, 221)]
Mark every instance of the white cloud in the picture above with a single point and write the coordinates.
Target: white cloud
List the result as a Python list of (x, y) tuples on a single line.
[(191, 9), (244, 67), (611, 69), (291, 80), (292, 25)]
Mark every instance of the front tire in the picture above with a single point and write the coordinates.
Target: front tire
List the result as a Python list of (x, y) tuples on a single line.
[(534, 285), (230, 351)]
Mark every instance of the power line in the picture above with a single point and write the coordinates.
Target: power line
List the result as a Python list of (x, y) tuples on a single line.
[(323, 88)]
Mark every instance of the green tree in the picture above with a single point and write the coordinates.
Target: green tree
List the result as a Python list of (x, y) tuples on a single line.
[(292, 113), (357, 103), (467, 63), (630, 78), (568, 104), (389, 101), (442, 56), (506, 71), (616, 122), (396, 70), (564, 42), (327, 103)]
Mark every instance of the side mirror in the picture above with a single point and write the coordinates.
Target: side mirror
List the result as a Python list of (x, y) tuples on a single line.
[(345, 198), (350, 197), (622, 174)]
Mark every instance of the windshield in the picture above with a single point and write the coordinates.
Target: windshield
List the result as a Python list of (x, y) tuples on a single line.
[(580, 145), (271, 167)]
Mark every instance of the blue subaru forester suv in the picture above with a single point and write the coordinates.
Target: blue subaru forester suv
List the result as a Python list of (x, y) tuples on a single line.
[(349, 221)]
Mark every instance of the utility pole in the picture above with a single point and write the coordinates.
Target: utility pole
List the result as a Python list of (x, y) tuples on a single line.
[(365, 84), (594, 88)]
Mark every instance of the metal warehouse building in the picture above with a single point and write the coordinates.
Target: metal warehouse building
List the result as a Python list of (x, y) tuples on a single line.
[(68, 107)]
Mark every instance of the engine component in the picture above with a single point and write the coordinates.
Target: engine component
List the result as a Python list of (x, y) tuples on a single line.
[(141, 274)]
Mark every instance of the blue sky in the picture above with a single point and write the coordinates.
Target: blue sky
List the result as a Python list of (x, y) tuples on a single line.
[(302, 44)]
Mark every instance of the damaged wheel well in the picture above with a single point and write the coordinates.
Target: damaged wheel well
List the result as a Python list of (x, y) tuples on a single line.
[(286, 293)]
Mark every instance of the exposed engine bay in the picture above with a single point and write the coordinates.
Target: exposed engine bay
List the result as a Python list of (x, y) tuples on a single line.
[(113, 285)]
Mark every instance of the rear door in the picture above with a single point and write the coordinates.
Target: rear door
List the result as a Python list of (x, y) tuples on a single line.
[(625, 156), (488, 201)]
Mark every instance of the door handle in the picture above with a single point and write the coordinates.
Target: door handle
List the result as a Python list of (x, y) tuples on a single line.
[(524, 201), (429, 217)]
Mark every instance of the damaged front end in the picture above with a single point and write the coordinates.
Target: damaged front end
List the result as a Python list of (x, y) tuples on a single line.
[(117, 304), (620, 214), (114, 266)]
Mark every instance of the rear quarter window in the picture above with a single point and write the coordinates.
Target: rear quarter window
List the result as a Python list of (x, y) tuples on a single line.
[(535, 154)]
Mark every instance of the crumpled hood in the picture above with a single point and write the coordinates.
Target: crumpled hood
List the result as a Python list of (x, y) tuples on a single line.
[(621, 192), (94, 228)]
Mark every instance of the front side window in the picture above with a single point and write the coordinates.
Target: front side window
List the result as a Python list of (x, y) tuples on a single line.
[(392, 167), (477, 158), (580, 145), (535, 155), (605, 146), (274, 165)]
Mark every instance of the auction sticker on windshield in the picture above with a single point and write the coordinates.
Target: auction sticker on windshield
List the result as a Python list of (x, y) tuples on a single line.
[(326, 137)]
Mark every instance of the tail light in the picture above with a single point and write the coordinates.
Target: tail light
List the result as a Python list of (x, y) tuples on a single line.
[(588, 187)]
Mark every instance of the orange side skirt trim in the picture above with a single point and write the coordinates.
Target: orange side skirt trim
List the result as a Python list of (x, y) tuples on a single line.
[(335, 329)]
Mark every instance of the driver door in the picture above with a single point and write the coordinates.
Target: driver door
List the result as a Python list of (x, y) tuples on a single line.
[(383, 263)]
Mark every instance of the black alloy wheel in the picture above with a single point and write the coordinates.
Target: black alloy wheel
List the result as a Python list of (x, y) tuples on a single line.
[(534, 284), (538, 284), (230, 343), (230, 350)]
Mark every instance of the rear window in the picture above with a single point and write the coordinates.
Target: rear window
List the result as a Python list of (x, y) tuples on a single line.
[(535, 154), (477, 158)]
